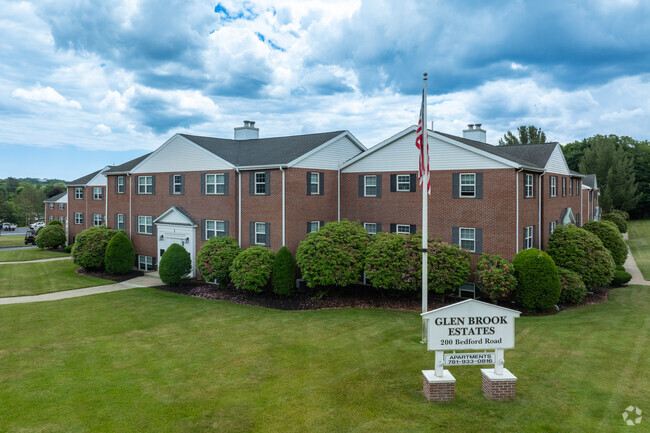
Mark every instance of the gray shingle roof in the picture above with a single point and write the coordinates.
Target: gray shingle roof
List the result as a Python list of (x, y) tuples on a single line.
[(127, 166), (589, 180), (54, 197), (262, 151), (84, 180)]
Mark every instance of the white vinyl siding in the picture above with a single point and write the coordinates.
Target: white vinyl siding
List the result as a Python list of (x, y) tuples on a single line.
[(331, 156), (181, 152), (467, 237)]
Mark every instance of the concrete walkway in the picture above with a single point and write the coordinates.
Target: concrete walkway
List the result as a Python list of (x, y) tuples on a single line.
[(36, 261), (631, 267)]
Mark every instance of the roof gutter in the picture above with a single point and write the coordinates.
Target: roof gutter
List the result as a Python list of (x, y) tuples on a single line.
[(260, 167)]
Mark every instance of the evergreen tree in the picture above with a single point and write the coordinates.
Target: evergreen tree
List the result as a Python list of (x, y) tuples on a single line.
[(526, 135)]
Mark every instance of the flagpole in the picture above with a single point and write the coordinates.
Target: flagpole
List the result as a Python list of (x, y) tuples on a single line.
[(425, 232)]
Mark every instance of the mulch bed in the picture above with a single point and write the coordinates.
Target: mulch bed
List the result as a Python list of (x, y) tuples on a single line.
[(112, 277)]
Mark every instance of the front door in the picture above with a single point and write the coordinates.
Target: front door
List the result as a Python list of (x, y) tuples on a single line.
[(181, 235)]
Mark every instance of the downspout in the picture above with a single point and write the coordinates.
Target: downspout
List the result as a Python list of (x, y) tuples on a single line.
[(338, 195), (283, 207), (539, 218), (86, 203), (238, 205), (517, 209), (106, 208), (129, 222)]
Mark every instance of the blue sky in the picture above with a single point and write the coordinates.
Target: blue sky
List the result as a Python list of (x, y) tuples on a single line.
[(84, 84)]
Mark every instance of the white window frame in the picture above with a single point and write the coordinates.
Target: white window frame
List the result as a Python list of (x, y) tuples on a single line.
[(404, 182), (529, 186), (553, 225), (311, 226), (61, 206), (260, 183), (79, 193), (147, 223), (145, 263), (145, 184), (314, 188), (51, 218), (553, 186), (62, 219), (366, 186), (577, 187), (371, 228), (468, 193), (78, 218), (564, 187), (215, 184), (121, 183), (213, 228), (177, 184), (469, 241), (260, 230), (570, 186), (403, 229), (528, 237), (121, 222), (98, 193), (98, 220), (50, 205)]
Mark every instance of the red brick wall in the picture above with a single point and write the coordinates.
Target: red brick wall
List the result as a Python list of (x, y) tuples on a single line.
[(552, 206), (87, 206), (56, 212), (262, 208)]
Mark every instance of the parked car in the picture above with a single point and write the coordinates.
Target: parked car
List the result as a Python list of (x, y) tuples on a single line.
[(30, 237), (37, 225), (9, 226)]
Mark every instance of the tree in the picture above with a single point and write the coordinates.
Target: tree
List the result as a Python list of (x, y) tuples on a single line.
[(526, 135)]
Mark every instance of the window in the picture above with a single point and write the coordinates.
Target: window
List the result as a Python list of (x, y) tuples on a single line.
[(98, 193), (528, 185), (145, 225), (62, 219), (528, 237), (78, 218), (467, 290), (214, 229), (404, 182), (120, 185), (79, 193), (370, 186), (51, 218), (371, 228), (403, 229), (577, 186), (468, 185), (314, 183), (313, 226), (215, 183), (145, 263), (98, 219), (61, 206), (145, 184), (553, 186), (260, 233), (120, 221), (564, 187), (260, 182), (177, 184), (578, 221), (467, 239), (50, 205), (570, 186), (553, 225)]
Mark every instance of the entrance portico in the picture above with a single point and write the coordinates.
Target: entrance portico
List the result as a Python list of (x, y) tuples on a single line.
[(175, 226)]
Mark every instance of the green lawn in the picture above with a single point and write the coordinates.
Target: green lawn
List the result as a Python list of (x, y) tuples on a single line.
[(11, 241), (144, 360), (29, 254), (639, 243), (20, 279)]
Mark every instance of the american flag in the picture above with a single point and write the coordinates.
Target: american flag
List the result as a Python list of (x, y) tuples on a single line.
[(422, 144)]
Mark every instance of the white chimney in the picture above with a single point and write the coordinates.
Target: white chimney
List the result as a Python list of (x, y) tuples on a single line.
[(475, 132), (247, 132)]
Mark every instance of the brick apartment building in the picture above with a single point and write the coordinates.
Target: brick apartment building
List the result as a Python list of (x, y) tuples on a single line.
[(273, 191), (56, 208)]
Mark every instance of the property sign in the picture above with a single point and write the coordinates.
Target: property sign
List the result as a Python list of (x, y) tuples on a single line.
[(470, 358), (471, 324)]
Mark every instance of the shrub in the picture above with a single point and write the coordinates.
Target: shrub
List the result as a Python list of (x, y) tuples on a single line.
[(120, 255), (334, 255), (621, 278), (618, 220), (55, 223), (448, 267), (393, 261), (611, 238), (68, 248), (622, 213), (284, 272), (572, 289), (251, 269), (495, 277), (51, 236), (215, 259), (538, 284), (174, 265), (582, 252), (90, 247)]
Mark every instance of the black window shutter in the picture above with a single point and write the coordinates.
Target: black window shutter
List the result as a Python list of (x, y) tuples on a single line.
[(267, 182), (412, 229), (534, 238), (378, 227), (153, 185), (226, 183), (171, 184), (226, 228), (268, 234), (115, 226), (251, 183), (379, 185), (202, 183), (524, 185), (137, 261), (393, 182), (135, 224), (203, 237), (413, 183), (137, 184), (117, 178), (321, 184), (479, 185), (455, 235), (182, 184), (550, 183), (322, 223), (478, 241), (534, 187), (308, 184), (361, 192), (393, 228), (455, 185), (252, 227), (308, 226)]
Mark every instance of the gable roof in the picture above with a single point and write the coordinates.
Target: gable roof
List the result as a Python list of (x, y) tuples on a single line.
[(84, 179), (127, 166), (54, 198), (590, 181)]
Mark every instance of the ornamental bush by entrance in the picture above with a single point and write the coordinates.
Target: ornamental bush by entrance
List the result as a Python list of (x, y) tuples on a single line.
[(175, 265), (120, 255), (538, 283)]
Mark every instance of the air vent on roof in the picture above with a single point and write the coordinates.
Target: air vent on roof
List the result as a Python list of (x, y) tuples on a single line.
[(247, 132), (475, 132)]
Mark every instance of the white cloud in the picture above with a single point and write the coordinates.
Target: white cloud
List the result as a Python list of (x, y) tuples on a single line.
[(45, 94), (102, 129)]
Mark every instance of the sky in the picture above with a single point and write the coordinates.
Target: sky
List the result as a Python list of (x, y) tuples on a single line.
[(85, 84)]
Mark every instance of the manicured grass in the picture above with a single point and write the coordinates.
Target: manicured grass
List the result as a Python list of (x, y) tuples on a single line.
[(639, 243), (144, 360), (20, 279), (29, 254), (11, 241)]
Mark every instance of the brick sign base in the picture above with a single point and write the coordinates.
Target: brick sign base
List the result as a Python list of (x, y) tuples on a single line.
[(438, 388), (498, 386)]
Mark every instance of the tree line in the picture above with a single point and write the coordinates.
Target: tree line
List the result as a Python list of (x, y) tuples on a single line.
[(21, 200)]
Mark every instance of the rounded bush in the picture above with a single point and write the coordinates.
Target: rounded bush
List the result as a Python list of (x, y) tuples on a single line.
[(174, 265), (50, 237), (582, 252), (215, 259), (251, 269), (538, 283), (284, 272), (448, 267), (394, 262), (621, 278), (622, 213), (495, 277), (55, 223), (90, 247), (611, 238), (572, 289), (120, 255), (334, 255), (617, 219)]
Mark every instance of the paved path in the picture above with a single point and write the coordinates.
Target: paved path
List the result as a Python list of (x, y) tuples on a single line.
[(36, 261), (631, 267)]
